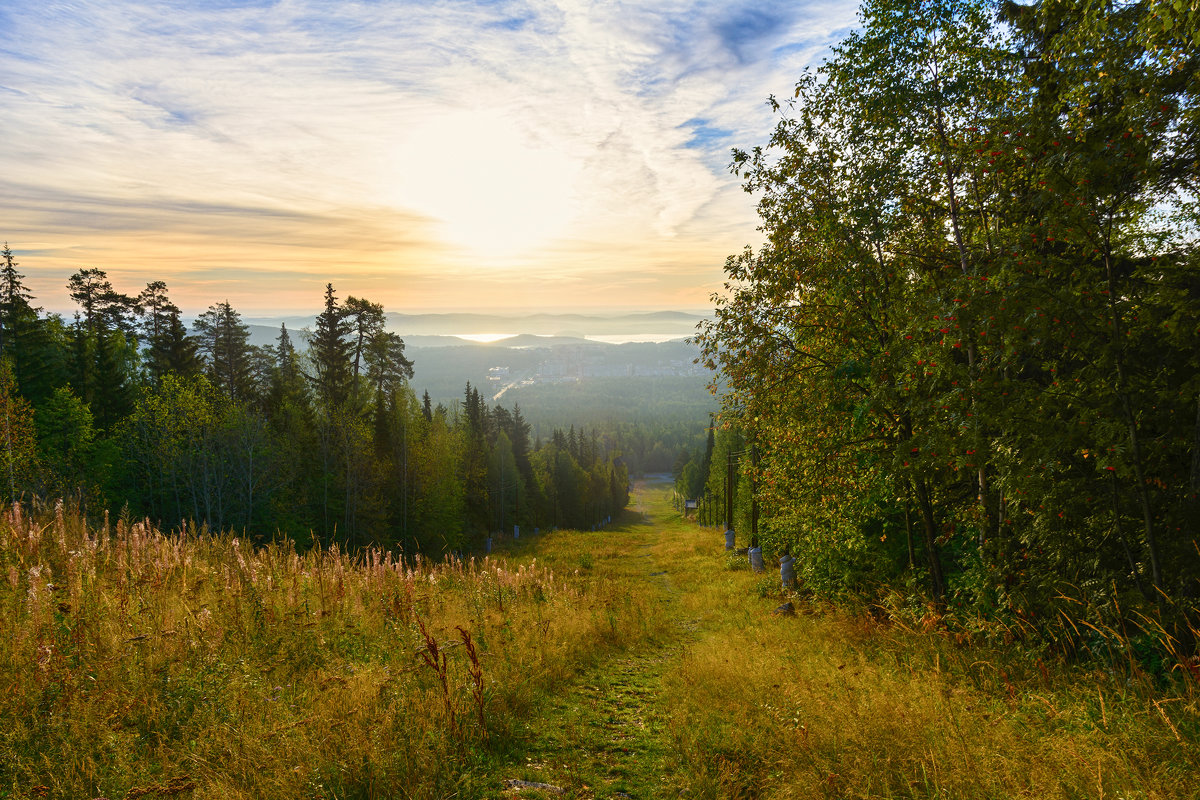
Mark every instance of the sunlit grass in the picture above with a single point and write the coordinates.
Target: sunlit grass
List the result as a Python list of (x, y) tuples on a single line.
[(140, 661), (639, 660), (832, 704)]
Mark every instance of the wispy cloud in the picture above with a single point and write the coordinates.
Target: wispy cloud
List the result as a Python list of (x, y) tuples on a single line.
[(400, 146)]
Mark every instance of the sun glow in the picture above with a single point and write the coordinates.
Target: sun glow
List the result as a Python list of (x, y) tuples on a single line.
[(494, 189)]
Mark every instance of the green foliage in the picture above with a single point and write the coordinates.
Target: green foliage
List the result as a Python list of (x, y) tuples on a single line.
[(223, 341), (18, 443), (66, 438), (969, 328), (329, 352)]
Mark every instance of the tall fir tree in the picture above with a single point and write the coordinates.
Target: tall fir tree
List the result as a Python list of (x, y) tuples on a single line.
[(14, 303), (330, 353), (174, 351), (224, 342), (23, 338)]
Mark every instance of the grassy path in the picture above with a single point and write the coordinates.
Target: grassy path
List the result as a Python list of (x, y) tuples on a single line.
[(721, 699), (606, 734)]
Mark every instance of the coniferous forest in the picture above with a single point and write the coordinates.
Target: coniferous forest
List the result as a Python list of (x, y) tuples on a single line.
[(318, 438)]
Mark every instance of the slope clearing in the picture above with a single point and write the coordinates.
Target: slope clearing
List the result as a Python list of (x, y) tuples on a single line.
[(637, 661), (729, 700)]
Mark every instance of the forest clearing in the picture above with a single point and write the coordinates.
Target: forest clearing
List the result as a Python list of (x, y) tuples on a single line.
[(636, 661)]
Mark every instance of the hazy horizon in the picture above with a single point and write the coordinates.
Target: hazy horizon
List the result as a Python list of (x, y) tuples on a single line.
[(260, 317)]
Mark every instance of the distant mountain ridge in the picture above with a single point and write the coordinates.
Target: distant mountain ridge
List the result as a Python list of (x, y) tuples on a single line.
[(538, 324), (556, 379)]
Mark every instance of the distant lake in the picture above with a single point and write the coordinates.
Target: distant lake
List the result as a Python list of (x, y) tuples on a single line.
[(611, 338)]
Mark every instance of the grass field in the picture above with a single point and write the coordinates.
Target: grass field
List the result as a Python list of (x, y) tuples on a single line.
[(638, 661)]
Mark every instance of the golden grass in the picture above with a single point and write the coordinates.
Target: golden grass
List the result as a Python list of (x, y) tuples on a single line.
[(136, 663), (832, 704)]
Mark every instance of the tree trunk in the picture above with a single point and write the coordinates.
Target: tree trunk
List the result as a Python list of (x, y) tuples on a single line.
[(1122, 392), (908, 536), (925, 504)]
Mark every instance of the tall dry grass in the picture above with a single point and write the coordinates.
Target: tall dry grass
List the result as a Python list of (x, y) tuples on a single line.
[(838, 702), (136, 662)]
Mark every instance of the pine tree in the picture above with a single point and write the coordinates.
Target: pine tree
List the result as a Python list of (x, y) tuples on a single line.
[(104, 308), (87, 288), (387, 366), (156, 308), (365, 324)]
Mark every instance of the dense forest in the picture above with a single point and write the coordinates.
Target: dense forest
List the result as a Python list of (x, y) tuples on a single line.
[(123, 407), (964, 367)]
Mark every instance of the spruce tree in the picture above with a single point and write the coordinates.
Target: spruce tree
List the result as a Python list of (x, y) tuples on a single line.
[(287, 381), (14, 302), (180, 353), (112, 389), (81, 360), (22, 338), (168, 348), (224, 341), (330, 352)]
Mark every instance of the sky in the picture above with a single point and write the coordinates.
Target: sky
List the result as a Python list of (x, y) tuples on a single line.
[(552, 155)]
